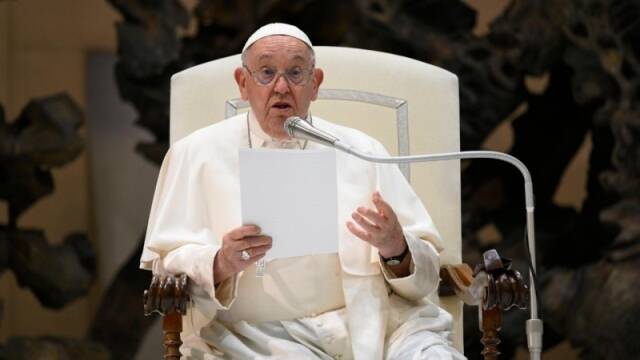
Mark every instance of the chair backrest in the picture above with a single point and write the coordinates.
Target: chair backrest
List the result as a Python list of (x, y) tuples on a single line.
[(410, 106)]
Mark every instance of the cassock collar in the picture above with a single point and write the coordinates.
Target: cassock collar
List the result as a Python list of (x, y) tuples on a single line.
[(260, 139)]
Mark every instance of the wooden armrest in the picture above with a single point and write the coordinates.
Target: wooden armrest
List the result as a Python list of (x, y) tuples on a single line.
[(168, 296)]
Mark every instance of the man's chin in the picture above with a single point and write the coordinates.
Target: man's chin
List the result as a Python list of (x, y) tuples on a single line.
[(276, 127), (281, 116), (278, 120)]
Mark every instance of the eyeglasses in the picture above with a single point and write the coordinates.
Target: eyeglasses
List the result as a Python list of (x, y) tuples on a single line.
[(265, 76)]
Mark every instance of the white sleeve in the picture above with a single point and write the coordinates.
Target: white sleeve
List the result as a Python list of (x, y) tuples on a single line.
[(179, 239), (424, 276)]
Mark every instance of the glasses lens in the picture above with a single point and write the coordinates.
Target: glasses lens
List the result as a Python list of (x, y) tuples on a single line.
[(295, 75), (265, 75)]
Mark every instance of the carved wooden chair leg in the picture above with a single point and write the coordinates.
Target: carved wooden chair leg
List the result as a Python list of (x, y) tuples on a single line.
[(167, 296), (490, 322), (172, 327)]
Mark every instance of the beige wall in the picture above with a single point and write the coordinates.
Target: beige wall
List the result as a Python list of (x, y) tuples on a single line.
[(42, 51)]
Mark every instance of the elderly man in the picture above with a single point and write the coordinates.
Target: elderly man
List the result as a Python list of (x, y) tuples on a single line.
[(366, 302)]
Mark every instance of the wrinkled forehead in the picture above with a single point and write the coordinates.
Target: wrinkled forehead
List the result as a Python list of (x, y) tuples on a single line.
[(280, 47)]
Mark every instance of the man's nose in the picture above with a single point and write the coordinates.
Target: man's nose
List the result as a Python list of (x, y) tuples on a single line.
[(282, 85)]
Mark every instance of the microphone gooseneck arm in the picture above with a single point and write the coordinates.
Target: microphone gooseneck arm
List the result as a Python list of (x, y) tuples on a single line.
[(301, 129)]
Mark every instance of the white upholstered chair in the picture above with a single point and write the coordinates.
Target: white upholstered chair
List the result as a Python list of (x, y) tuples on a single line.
[(410, 106)]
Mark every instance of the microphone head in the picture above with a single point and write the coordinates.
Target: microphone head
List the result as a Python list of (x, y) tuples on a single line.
[(298, 128), (290, 123)]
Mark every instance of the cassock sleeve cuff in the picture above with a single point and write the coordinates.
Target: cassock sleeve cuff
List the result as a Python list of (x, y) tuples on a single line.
[(424, 276), (197, 262), (226, 292)]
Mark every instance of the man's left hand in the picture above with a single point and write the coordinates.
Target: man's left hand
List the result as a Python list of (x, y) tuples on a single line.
[(379, 227)]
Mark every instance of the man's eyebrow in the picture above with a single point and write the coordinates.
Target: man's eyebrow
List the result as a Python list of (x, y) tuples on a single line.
[(269, 56)]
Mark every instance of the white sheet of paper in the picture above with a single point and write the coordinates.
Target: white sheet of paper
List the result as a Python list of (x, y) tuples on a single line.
[(292, 196)]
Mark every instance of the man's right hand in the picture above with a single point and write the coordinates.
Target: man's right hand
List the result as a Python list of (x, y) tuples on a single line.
[(229, 261)]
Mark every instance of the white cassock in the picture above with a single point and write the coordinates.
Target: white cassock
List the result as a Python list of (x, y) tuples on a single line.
[(346, 305)]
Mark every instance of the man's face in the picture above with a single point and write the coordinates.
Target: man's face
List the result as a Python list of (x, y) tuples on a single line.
[(272, 104)]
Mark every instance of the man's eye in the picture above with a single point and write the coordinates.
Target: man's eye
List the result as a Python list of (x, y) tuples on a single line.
[(267, 72), (295, 72)]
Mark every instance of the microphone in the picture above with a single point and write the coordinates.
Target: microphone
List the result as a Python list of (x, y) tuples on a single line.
[(301, 129), (298, 128)]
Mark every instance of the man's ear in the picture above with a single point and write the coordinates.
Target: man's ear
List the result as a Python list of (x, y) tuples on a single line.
[(318, 76), (241, 80)]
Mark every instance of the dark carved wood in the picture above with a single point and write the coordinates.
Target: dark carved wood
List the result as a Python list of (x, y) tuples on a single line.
[(505, 287), (31, 258), (167, 295), (490, 322), (44, 136), (172, 326), (501, 289)]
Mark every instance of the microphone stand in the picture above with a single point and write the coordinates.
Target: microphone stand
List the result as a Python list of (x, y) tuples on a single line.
[(300, 129), (534, 326)]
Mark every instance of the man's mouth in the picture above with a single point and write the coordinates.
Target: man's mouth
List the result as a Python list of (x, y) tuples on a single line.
[(281, 105)]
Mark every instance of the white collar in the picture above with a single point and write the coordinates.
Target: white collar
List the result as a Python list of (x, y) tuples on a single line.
[(260, 139)]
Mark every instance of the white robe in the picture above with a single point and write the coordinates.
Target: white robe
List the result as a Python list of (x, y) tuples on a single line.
[(197, 200)]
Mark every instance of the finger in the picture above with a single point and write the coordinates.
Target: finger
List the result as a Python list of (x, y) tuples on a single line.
[(359, 232), (258, 250), (250, 242), (364, 223), (243, 231), (383, 207), (372, 215)]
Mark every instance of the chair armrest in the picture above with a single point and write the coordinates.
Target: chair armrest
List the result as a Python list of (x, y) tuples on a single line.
[(168, 296)]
